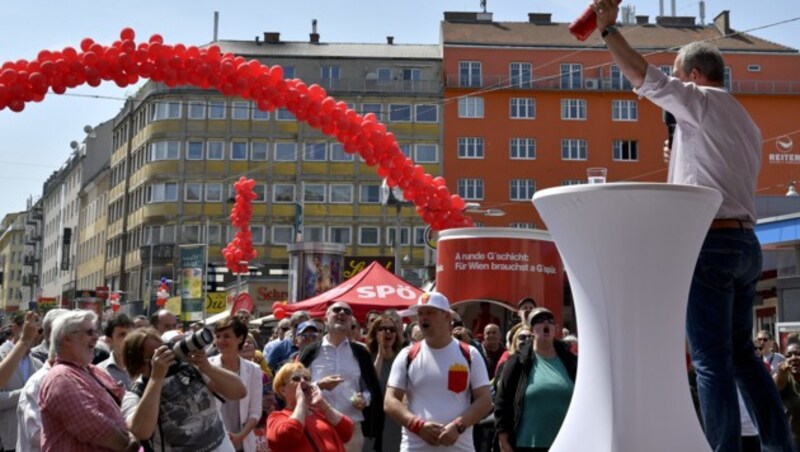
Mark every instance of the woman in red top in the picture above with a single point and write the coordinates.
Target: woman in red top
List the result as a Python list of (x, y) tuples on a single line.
[(307, 423)]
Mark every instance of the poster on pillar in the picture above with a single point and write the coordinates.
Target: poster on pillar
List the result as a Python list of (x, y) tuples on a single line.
[(500, 264), (192, 265)]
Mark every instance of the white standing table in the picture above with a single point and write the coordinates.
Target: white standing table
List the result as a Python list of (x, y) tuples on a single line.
[(629, 250)]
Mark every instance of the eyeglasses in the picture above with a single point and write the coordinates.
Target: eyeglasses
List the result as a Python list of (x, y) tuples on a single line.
[(792, 353), (297, 378), (312, 336), (341, 309), (524, 337), (549, 320), (387, 329)]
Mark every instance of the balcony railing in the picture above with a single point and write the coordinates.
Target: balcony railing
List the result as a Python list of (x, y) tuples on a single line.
[(608, 84)]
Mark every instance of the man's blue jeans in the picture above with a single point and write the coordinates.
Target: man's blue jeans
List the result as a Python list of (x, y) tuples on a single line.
[(719, 326)]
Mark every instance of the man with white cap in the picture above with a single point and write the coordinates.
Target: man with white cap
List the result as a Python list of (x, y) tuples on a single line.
[(445, 382)]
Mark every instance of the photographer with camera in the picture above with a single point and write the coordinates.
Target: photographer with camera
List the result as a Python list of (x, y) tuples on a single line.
[(171, 404)]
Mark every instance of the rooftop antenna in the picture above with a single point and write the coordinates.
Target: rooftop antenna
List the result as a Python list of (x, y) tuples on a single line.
[(483, 5)]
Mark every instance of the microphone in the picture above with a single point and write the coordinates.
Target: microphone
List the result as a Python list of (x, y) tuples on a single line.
[(671, 122)]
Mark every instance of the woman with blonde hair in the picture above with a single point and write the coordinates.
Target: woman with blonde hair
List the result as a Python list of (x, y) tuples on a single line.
[(307, 423)]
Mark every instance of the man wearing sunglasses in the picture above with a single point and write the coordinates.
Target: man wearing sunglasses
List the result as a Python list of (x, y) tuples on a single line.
[(345, 372), (284, 349)]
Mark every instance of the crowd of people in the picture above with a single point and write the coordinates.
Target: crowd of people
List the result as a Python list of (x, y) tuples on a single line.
[(385, 384)]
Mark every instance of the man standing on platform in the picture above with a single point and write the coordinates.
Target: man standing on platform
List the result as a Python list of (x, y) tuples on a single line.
[(716, 144)]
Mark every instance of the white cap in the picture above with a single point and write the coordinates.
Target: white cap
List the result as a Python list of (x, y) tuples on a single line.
[(430, 299)]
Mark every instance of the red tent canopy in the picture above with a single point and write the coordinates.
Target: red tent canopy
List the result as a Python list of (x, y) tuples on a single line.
[(372, 288)]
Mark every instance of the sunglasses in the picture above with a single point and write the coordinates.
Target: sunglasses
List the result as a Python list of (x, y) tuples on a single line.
[(762, 339), (549, 320), (792, 353), (524, 337), (313, 336), (297, 378), (341, 309), (387, 329)]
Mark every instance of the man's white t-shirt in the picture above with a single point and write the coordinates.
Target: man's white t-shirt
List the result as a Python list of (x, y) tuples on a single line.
[(438, 384)]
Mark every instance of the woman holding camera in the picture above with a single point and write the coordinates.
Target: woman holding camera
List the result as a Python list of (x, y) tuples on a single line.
[(171, 405), (239, 416), (307, 423)]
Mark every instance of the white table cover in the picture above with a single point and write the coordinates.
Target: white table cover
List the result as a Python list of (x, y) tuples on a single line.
[(629, 250)]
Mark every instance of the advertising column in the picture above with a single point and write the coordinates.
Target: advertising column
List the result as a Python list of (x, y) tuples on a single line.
[(500, 264), (192, 260)]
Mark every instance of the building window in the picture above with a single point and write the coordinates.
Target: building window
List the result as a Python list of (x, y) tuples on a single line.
[(330, 73), (166, 192), (215, 150), (216, 109), (471, 189), (426, 113), (399, 113), (369, 194), (573, 108), (341, 194), (338, 154), (282, 235), (164, 150), (520, 75), (572, 149), (728, 81), (666, 70), (626, 150), (190, 233), (405, 234), (194, 150), (618, 80), (259, 232), (240, 110), (288, 72), (426, 153), (214, 192), (238, 150), (260, 191), (283, 193), (285, 151), (313, 234), (571, 76), (384, 74), (470, 148), (375, 109), (567, 182), (165, 110), (624, 110), (197, 110), (522, 108), (522, 148), (369, 235), (470, 107), (258, 150), (315, 152), (284, 115), (214, 233), (193, 192), (340, 234), (521, 189), (469, 73), (419, 235), (258, 114), (313, 193)]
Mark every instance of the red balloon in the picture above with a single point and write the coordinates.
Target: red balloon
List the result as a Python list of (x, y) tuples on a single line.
[(127, 33)]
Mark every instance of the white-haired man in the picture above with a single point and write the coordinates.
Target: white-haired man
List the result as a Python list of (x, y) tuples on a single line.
[(80, 402)]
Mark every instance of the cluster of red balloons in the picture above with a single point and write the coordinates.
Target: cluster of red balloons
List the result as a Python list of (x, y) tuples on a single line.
[(240, 249), (125, 61)]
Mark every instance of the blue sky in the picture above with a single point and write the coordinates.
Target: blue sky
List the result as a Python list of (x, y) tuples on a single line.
[(36, 141)]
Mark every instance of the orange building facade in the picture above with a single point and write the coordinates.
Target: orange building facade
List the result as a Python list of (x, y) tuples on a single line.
[(527, 107)]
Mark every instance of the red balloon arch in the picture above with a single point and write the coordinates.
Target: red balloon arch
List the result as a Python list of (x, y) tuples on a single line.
[(125, 62)]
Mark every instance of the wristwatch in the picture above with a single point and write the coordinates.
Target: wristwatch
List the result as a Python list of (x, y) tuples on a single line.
[(609, 30), (460, 427)]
